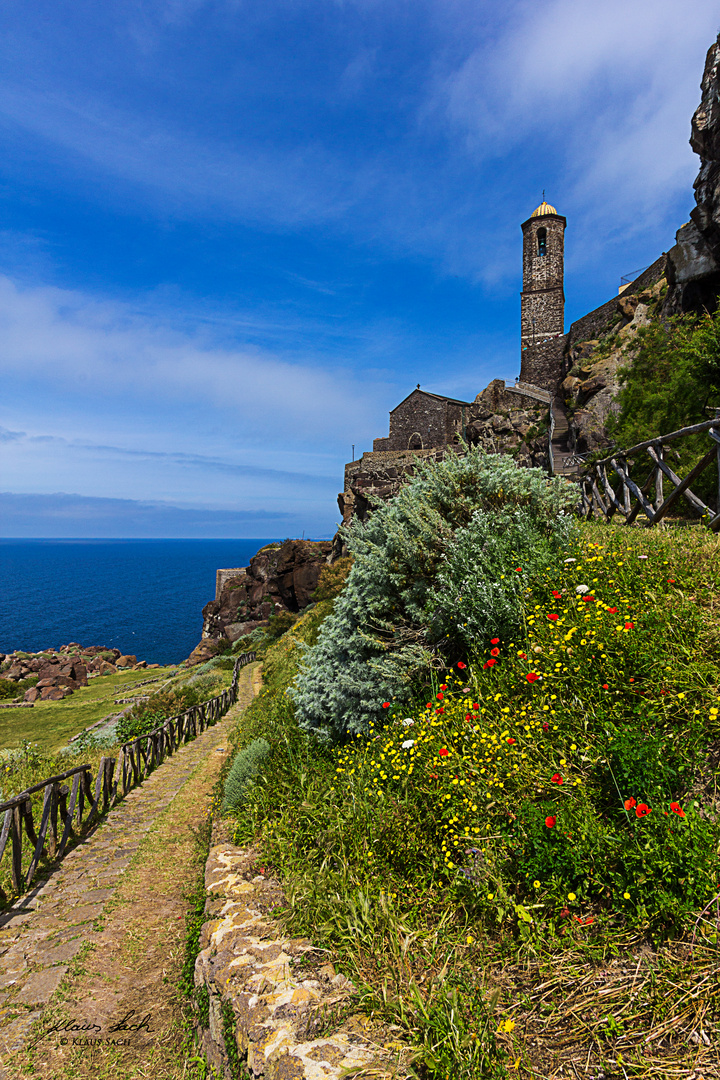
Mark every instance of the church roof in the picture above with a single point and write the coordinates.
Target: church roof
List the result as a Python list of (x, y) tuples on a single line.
[(543, 209), (437, 397)]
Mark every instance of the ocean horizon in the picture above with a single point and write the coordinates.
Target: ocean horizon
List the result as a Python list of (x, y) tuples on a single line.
[(144, 597)]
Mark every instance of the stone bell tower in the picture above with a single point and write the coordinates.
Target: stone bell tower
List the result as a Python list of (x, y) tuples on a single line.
[(542, 303)]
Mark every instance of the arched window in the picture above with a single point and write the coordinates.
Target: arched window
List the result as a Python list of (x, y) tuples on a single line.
[(542, 241), (415, 441)]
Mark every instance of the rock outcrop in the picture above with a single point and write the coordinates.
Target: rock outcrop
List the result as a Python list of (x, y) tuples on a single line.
[(694, 262), (281, 577), (55, 673)]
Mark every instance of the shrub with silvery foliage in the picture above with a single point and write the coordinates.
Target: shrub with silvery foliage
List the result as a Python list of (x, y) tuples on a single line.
[(401, 599)]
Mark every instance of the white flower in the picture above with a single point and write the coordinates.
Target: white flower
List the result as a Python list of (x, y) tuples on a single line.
[(407, 744), (581, 589), (408, 721), (570, 560), (642, 556)]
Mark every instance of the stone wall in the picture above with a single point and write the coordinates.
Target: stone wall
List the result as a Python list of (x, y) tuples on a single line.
[(542, 364), (263, 996), (377, 475), (223, 576), (423, 421), (598, 322)]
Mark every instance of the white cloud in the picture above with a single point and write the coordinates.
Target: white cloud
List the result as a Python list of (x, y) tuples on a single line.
[(95, 350)]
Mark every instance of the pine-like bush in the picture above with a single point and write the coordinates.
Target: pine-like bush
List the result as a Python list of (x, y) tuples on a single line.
[(245, 767), (400, 601)]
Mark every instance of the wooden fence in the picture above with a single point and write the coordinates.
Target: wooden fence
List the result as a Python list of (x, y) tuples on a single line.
[(114, 779), (620, 493)]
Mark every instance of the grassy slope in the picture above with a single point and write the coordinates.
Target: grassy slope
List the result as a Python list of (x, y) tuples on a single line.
[(52, 723), (591, 963)]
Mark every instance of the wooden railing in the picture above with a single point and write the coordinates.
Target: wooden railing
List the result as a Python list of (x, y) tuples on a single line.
[(620, 493), (114, 779)]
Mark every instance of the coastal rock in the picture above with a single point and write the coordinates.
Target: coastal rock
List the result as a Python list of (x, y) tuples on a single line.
[(126, 661), (280, 577)]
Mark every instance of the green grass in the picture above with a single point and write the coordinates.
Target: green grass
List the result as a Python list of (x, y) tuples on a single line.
[(50, 724), (458, 877)]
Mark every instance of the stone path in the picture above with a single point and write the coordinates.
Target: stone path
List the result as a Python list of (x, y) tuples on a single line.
[(52, 927)]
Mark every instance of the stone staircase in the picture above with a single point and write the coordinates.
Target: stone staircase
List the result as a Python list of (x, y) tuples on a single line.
[(565, 462)]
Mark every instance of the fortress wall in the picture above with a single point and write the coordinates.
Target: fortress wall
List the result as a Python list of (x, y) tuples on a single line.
[(598, 322), (223, 576)]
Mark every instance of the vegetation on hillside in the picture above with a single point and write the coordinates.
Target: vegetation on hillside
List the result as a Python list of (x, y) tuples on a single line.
[(542, 804), (672, 380), (431, 572)]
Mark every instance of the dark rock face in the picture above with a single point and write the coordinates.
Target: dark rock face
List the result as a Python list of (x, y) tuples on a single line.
[(279, 578), (694, 261)]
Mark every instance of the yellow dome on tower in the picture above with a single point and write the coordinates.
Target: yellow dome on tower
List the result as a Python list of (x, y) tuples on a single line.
[(543, 209)]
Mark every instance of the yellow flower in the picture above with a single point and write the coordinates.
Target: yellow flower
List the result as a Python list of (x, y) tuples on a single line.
[(626, 896), (470, 939), (571, 896), (536, 884)]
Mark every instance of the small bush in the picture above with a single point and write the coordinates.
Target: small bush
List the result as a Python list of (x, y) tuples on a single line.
[(244, 769), (8, 689)]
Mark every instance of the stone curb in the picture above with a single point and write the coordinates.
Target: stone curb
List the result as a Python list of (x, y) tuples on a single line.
[(246, 966)]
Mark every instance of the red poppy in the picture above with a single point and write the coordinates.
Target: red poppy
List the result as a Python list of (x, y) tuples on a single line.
[(612, 611), (468, 717), (605, 686), (564, 913), (429, 705), (522, 656), (629, 625), (439, 696), (550, 821), (386, 704), (511, 741), (556, 778), (546, 726), (495, 652), (677, 809), (585, 922), (489, 663), (632, 679), (443, 686), (494, 640), (444, 752), (642, 810), (518, 569), (629, 803), (553, 618), (440, 709), (461, 665), (475, 706), (532, 676), (556, 594), (433, 776), (671, 581)]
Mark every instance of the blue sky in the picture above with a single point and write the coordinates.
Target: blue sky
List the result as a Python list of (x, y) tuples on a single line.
[(234, 234)]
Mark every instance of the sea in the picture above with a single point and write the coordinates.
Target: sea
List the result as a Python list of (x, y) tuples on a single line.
[(144, 597)]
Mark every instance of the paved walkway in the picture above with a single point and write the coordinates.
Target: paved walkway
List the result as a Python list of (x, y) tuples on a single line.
[(41, 937)]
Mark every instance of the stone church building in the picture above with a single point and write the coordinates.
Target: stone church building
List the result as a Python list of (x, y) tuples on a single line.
[(527, 420)]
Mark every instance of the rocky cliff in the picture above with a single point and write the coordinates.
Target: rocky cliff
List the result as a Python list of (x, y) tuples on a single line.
[(281, 577), (694, 262)]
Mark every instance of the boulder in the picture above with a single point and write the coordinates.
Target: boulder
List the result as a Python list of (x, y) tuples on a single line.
[(54, 693), (126, 661), (31, 695)]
